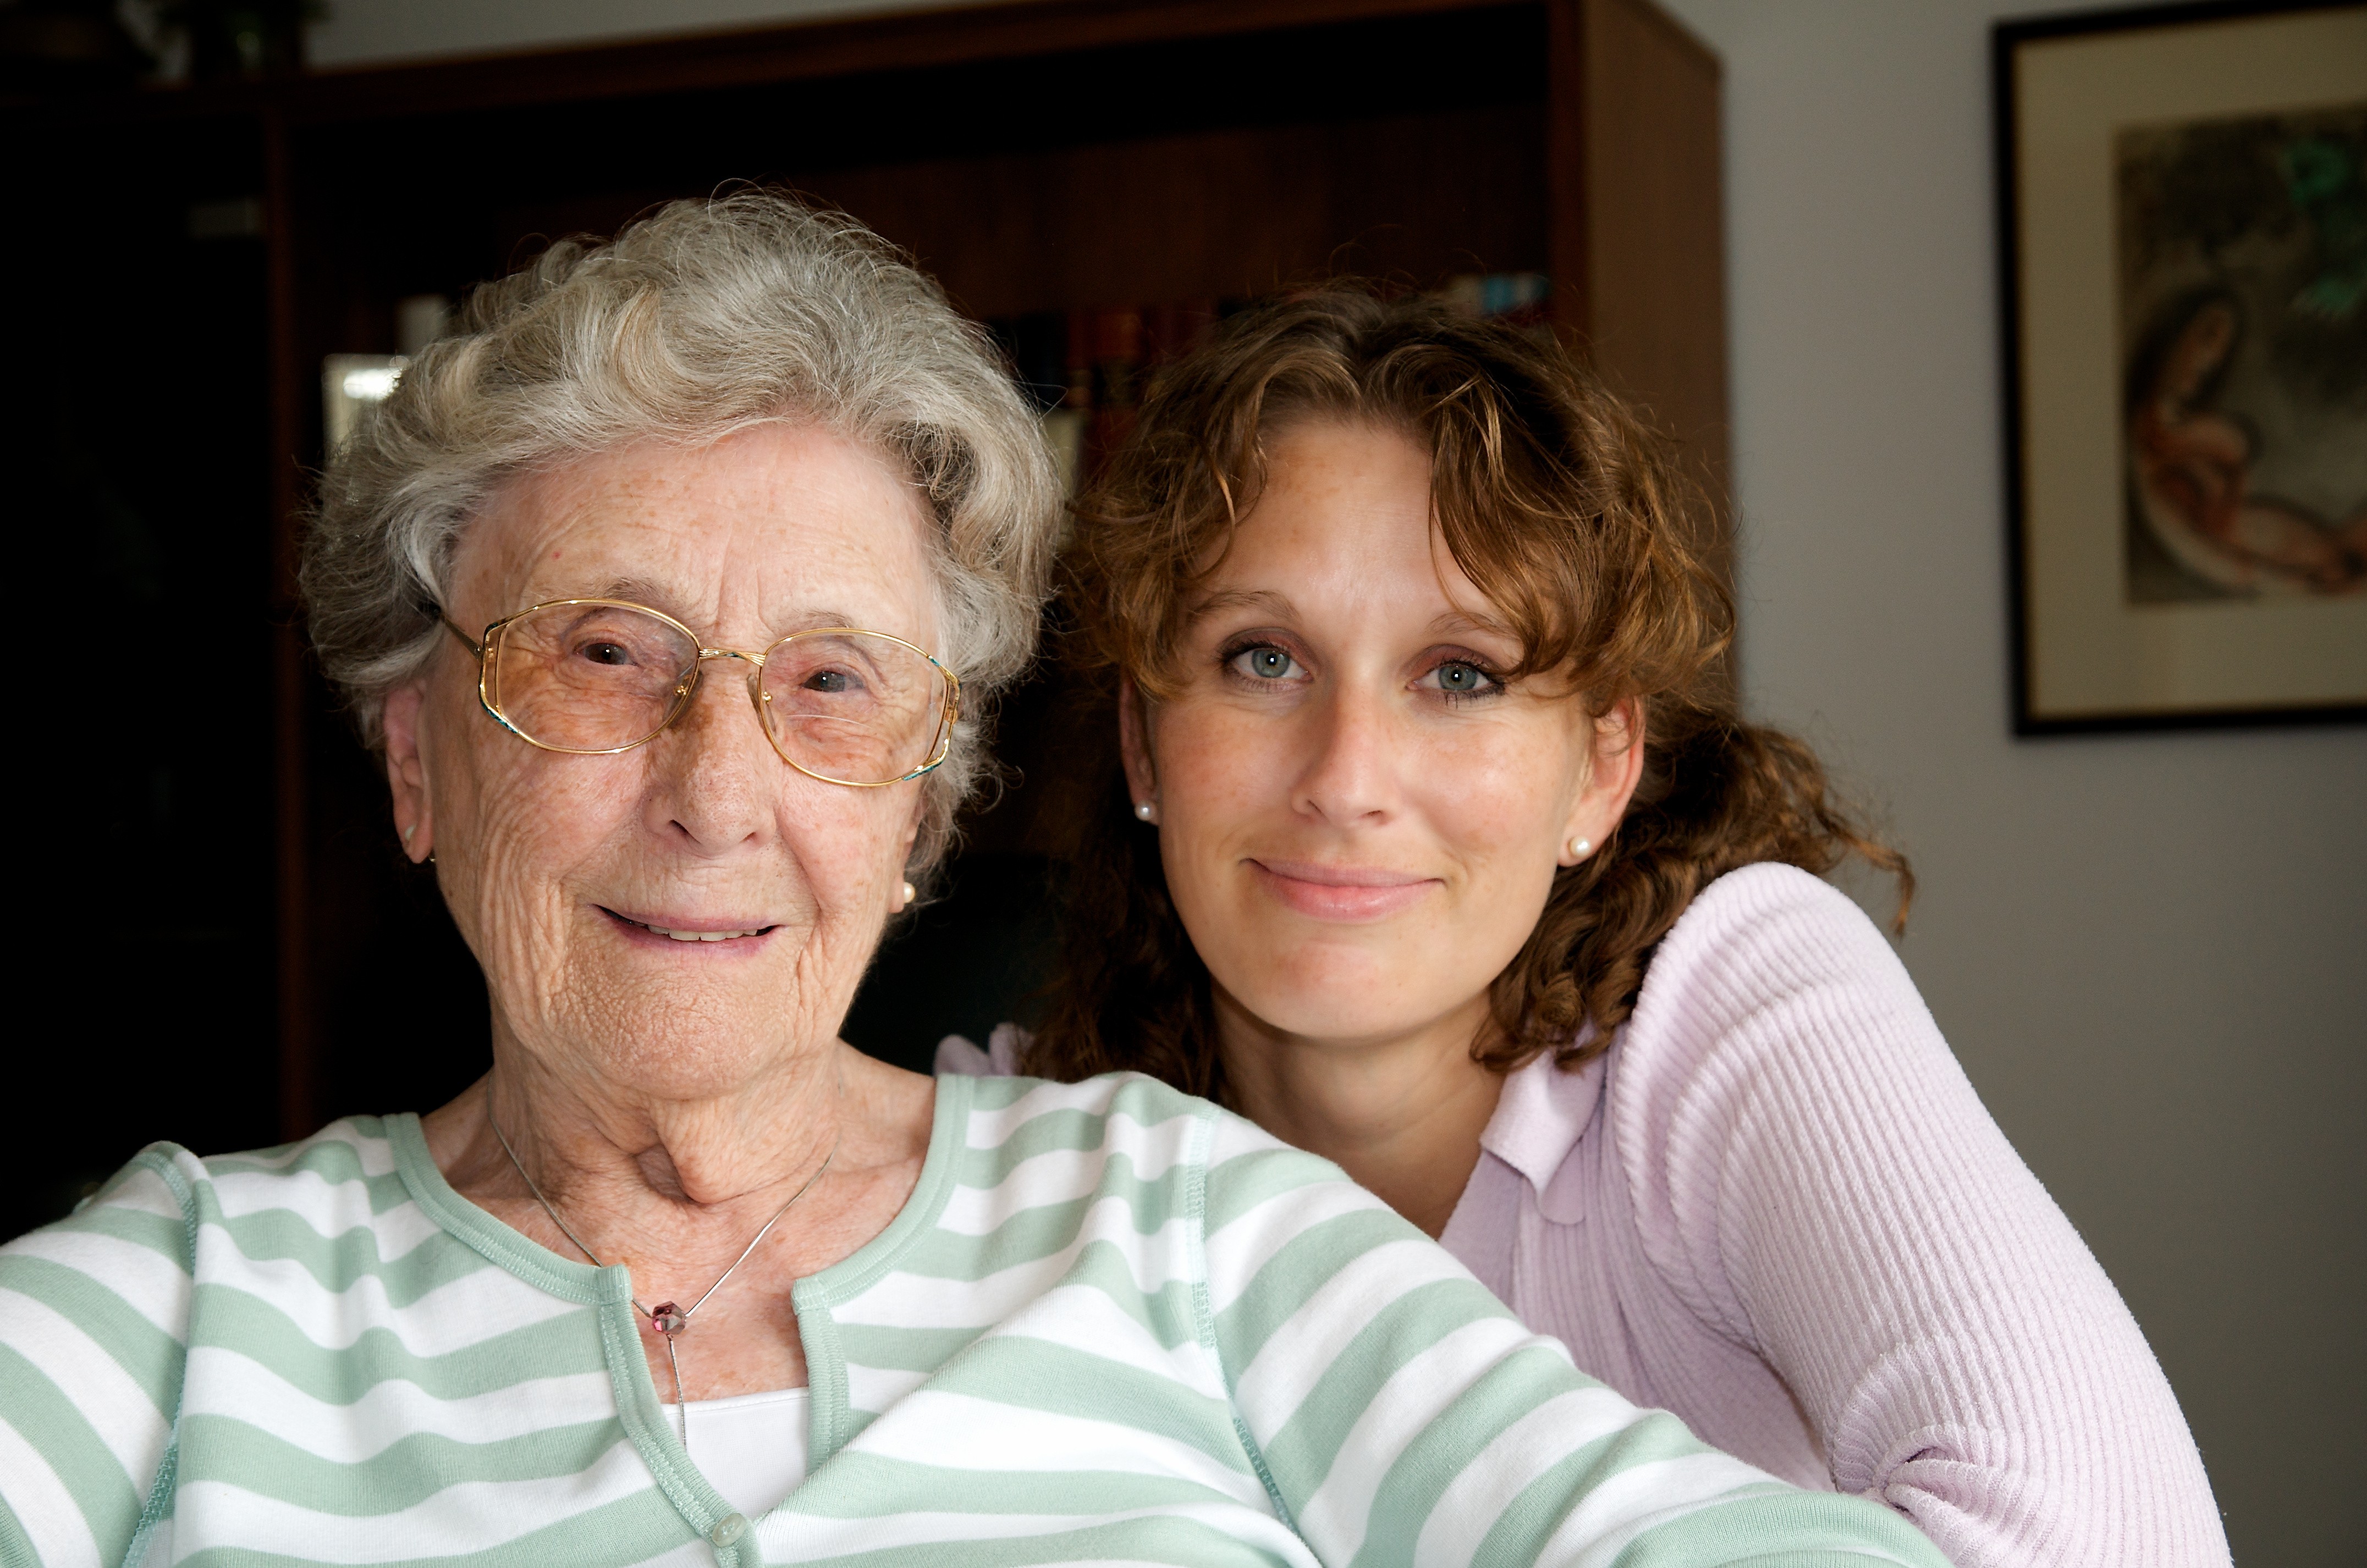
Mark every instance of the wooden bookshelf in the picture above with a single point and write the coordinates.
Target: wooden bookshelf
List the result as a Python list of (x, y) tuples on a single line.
[(1056, 154)]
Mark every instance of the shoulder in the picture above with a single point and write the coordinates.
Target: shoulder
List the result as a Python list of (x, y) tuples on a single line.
[(97, 1313), (1259, 1216), (171, 1220), (1150, 1129), (1003, 1105), (1779, 1068), (340, 1162), (1764, 952), (1765, 927), (1776, 1027), (1028, 1142), (1772, 1001), (296, 1200), (130, 1245), (158, 1206), (960, 1055), (94, 1329)]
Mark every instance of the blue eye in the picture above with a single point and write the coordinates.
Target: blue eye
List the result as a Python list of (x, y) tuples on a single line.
[(1459, 678), (1266, 662)]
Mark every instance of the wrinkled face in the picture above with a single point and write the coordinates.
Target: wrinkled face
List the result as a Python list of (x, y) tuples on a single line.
[(1359, 822), (566, 871)]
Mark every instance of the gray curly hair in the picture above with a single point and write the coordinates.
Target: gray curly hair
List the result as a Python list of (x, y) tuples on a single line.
[(701, 319)]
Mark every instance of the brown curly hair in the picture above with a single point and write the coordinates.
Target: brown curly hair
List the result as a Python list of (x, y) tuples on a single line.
[(1563, 508)]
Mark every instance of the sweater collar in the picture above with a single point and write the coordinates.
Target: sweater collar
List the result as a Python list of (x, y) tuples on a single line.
[(1539, 1119)]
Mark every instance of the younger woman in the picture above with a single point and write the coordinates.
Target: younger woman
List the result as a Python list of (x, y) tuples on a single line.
[(1433, 842)]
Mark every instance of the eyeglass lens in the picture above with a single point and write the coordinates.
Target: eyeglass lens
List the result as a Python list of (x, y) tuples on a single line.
[(852, 708)]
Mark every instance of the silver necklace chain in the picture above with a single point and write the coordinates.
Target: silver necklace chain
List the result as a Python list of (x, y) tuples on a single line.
[(665, 1320)]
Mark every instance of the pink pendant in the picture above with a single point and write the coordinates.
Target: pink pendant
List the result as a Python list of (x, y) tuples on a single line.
[(667, 1319)]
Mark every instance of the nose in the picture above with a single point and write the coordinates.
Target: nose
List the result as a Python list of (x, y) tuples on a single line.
[(714, 770), (1354, 753)]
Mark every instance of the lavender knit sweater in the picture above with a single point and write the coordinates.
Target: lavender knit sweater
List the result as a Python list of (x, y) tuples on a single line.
[(1775, 1207)]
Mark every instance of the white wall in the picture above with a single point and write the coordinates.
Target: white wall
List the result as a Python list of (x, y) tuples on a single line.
[(2150, 952)]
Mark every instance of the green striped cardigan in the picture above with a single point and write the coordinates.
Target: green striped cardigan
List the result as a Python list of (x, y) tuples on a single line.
[(1114, 1324)]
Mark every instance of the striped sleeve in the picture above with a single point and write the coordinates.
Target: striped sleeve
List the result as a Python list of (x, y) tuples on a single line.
[(1400, 1414), (94, 1329)]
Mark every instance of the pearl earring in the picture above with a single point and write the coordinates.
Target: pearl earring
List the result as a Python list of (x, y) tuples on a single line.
[(910, 893), (1581, 848), (407, 832), (1146, 810)]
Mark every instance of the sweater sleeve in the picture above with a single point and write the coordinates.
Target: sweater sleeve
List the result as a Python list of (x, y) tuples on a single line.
[(1397, 1412), (94, 1331), (1815, 1178)]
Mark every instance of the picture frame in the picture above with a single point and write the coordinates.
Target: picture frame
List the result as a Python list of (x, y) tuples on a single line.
[(2182, 254)]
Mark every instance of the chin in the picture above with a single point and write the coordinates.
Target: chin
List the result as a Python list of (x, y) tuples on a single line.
[(1345, 1017), (685, 1064), (1324, 993), (677, 1041)]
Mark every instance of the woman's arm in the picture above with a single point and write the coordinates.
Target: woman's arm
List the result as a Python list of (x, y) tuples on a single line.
[(1390, 1401), (93, 1330), (1814, 1176)]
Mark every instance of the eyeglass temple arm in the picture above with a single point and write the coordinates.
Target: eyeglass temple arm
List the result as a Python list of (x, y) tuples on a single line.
[(472, 644)]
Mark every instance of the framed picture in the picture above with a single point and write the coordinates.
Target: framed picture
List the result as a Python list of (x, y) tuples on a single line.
[(2183, 212)]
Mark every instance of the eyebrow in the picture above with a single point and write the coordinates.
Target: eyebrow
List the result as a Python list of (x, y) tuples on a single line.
[(1447, 624), (1463, 621), (641, 591), (1245, 599)]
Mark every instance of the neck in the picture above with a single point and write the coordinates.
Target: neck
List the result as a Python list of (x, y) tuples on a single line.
[(641, 1173), (1401, 1112), (680, 1187)]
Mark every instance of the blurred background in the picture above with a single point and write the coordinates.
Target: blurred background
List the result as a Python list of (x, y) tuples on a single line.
[(1772, 224)]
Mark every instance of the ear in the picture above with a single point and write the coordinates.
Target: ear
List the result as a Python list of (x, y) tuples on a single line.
[(1134, 741), (913, 821), (1616, 767), (406, 770)]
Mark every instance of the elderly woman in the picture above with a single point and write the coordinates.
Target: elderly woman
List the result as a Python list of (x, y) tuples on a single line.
[(670, 592)]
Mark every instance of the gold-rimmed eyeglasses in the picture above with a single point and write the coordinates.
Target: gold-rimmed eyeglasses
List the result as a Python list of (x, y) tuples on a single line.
[(593, 677)]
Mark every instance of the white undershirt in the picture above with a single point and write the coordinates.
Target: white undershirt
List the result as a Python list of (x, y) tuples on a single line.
[(752, 1447)]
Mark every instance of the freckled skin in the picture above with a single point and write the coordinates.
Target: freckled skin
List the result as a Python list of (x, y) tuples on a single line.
[(670, 1096), (1348, 1032)]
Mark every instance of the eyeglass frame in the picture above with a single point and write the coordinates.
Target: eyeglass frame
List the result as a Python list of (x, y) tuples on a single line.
[(948, 716)]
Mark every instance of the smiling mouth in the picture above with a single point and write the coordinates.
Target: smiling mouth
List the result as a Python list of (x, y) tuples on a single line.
[(680, 933), (1320, 875), (1350, 894)]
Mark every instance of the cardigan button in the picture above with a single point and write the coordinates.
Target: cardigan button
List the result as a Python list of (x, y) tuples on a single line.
[(728, 1529)]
